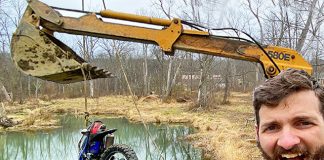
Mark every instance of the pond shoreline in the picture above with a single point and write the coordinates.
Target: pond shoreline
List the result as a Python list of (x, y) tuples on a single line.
[(166, 139), (222, 133)]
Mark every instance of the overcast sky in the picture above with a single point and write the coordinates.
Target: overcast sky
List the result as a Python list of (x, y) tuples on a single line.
[(129, 6)]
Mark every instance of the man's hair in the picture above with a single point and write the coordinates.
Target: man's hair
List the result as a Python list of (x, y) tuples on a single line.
[(273, 90)]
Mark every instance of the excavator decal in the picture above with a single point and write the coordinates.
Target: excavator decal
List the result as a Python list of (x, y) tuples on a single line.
[(280, 56)]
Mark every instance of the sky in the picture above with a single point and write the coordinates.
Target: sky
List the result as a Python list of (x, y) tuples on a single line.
[(222, 8), (129, 6), (126, 6), (134, 6)]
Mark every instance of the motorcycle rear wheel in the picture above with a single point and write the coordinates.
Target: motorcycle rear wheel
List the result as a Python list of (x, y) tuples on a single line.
[(119, 152)]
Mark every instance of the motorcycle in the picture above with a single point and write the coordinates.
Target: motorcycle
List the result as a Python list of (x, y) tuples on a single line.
[(97, 143)]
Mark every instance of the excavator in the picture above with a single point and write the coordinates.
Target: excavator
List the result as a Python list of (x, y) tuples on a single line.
[(36, 52)]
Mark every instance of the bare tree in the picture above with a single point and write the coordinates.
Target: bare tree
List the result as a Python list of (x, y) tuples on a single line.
[(113, 48), (303, 35), (205, 66), (87, 47), (145, 70), (319, 39), (226, 77), (256, 13), (37, 85), (166, 10), (10, 13), (5, 92)]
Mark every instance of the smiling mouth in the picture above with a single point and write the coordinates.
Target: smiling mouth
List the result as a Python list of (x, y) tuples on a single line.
[(292, 156)]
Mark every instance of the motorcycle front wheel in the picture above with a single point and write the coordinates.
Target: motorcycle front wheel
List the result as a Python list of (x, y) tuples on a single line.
[(119, 152)]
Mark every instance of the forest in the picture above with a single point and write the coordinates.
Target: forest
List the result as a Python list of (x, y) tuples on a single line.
[(212, 94), (293, 24)]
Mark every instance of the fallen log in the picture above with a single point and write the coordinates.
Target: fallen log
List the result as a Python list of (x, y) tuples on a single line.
[(6, 122)]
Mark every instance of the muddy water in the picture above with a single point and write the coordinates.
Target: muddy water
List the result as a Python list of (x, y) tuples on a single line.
[(61, 144)]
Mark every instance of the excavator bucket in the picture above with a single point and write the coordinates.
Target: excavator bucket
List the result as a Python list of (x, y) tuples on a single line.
[(39, 54)]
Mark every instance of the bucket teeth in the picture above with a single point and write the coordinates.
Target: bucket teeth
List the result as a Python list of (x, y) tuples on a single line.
[(41, 55)]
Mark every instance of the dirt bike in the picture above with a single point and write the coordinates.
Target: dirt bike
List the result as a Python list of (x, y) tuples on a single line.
[(97, 143)]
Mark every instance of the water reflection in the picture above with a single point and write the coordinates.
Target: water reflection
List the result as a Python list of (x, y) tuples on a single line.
[(62, 143)]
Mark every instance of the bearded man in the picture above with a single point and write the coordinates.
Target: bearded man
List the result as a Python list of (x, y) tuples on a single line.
[(289, 110)]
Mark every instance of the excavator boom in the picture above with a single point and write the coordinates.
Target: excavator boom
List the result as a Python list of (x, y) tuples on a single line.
[(38, 53)]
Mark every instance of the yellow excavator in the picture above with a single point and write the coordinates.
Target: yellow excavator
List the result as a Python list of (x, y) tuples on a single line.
[(36, 51)]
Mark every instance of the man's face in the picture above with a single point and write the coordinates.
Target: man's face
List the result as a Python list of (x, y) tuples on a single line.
[(292, 130)]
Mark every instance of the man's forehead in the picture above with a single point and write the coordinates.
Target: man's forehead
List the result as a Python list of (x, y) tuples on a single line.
[(303, 103)]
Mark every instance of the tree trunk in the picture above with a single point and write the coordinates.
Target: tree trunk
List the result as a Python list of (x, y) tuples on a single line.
[(37, 86), (199, 97), (5, 93), (202, 101), (149, 84), (205, 66), (226, 89), (2, 110), (283, 12), (256, 74), (174, 80), (91, 90), (28, 87), (145, 70), (243, 82), (303, 35), (169, 81), (63, 91), (317, 52), (256, 15), (21, 95), (191, 72)]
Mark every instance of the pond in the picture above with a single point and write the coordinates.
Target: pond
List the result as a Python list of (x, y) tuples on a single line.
[(61, 144)]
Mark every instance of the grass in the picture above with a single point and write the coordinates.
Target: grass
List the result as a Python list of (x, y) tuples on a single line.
[(224, 131)]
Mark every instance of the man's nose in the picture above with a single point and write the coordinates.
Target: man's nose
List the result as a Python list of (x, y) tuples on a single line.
[(288, 140)]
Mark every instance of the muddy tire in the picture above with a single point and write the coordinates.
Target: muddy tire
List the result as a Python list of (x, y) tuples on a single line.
[(118, 152)]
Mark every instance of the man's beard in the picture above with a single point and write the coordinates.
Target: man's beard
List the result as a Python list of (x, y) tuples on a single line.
[(278, 151)]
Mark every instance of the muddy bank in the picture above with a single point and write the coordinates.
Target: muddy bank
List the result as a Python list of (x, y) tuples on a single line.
[(224, 132)]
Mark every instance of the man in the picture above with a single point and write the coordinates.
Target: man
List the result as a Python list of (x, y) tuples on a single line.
[(289, 117)]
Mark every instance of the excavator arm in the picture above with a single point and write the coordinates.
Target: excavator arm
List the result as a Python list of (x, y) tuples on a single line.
[(38, 53)]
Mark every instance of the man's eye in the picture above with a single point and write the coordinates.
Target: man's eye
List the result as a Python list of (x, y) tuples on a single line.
[(304, 124), (271, 128)]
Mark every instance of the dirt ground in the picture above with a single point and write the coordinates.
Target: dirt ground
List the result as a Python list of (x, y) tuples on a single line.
[(223, 132)]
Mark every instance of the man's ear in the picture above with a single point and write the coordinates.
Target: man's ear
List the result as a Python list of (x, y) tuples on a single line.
[(256, 132)]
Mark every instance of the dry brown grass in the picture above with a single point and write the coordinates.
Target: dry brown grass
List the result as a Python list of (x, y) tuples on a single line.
[(39, 114), (33, 115), (224, 131)]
